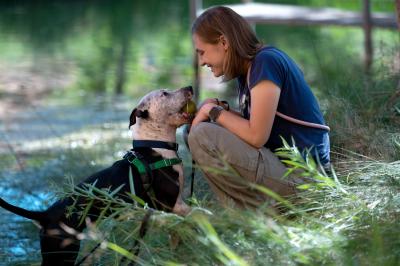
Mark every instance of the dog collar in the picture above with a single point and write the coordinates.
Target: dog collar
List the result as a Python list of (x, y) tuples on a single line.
[(154, 144)]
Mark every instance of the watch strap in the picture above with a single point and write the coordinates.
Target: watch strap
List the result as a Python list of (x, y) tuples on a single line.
[(215, 112)]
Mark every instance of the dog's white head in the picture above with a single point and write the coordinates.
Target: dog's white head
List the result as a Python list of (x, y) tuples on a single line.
[(160, 112)]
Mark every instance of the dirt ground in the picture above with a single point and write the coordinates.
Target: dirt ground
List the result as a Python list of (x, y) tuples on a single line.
[(23, 88), (26, 84)]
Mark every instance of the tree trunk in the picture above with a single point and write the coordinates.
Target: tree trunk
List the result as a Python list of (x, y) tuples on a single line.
[(398, 25), (367, 25), (121, 66), (195, 6)]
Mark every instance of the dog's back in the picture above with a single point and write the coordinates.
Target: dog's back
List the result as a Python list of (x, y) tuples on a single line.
[(164, 185)]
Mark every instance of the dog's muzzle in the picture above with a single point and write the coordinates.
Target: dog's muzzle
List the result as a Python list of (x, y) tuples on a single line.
[(189, 89)]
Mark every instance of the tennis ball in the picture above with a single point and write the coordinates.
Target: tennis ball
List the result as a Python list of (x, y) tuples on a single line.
[(190, 107)]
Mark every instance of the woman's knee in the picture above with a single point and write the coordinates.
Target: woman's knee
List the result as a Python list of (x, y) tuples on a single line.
[(197, 137)]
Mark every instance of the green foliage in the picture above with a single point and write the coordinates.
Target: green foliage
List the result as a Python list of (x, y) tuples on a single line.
[(110, 48), (350, 218)]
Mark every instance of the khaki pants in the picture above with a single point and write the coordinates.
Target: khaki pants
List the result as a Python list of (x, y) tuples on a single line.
[(230, 165)]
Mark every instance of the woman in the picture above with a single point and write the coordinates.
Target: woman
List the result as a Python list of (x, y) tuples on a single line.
[(269, 82)]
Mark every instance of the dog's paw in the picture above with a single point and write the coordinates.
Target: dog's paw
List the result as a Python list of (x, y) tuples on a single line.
[(181, 208)]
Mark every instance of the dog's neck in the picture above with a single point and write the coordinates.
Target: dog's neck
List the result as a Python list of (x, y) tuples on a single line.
[(148, 131)]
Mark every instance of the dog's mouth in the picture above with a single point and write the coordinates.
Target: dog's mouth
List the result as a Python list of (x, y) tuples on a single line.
[(189, 109)]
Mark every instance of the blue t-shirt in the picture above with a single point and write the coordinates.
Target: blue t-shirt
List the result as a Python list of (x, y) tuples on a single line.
[(296, 100)]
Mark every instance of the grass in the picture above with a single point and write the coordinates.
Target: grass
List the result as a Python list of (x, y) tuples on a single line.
[(348, 219)]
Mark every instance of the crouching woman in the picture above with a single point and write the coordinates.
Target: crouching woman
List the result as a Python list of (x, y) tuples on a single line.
[(270, 83)]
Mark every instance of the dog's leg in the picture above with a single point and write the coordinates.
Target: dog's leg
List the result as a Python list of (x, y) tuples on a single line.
[(180, 208), (57, 250)]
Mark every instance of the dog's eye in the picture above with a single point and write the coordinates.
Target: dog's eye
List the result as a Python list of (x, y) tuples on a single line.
[(165, 93)]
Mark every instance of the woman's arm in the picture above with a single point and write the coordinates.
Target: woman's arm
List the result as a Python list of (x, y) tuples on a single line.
[(256, 131)]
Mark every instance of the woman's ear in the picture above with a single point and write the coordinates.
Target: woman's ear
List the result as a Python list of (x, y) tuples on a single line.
[(224, 42)]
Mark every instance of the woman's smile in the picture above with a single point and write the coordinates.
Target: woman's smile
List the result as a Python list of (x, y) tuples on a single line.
[(210, 55)]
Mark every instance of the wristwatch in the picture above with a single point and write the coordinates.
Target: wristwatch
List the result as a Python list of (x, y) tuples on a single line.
[(215, 113)]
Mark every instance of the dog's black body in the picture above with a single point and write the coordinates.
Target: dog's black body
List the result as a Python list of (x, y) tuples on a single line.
[(163, 182), (156, 118)]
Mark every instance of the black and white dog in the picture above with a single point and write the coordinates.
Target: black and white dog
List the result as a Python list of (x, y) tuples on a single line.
[(152, 164)]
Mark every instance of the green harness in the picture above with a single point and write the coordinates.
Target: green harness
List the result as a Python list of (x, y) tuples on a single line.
[(136, 160), (141, 167), (144, 169)]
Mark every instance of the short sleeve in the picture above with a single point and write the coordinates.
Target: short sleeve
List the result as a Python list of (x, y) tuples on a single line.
[(268, 65)]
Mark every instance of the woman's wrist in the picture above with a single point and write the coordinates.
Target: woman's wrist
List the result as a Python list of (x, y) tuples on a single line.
[(215, 112), (224, 104)]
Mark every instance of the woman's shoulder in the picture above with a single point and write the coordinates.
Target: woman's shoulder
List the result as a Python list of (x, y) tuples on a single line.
[(269, 52), (272, 57)]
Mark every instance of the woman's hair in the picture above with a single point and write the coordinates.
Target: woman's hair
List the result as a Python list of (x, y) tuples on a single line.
[(243, 43)]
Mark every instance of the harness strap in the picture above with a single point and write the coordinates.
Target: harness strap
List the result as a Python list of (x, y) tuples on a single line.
[(131, 184), (146, 169), (141, 166), (289, 118), (192, 175)]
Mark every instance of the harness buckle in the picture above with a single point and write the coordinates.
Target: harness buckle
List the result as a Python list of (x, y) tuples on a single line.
[(130, 156)]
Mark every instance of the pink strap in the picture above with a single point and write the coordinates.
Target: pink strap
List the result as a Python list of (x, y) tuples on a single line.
[(292, 119)]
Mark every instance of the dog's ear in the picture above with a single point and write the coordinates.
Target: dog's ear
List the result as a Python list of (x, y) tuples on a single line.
[(137, 113), (132, 118)]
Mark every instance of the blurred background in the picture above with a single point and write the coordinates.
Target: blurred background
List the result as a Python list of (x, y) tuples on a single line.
[(72, 70)]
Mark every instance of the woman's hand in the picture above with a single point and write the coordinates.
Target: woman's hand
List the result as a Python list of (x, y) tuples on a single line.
[(209, 100), (202, 113), (255, 131)]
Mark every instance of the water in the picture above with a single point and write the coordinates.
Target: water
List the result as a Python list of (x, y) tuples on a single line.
[(50, 145)]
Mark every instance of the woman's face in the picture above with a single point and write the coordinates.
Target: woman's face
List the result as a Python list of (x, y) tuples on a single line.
[(211, 55)]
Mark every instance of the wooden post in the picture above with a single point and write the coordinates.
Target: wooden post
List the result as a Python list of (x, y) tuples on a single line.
[(121, 65), (367, 25), (398, 13), (397, 93), (195, 6)]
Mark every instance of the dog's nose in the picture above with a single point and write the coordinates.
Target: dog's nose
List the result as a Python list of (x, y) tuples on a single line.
[(188, 89)]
